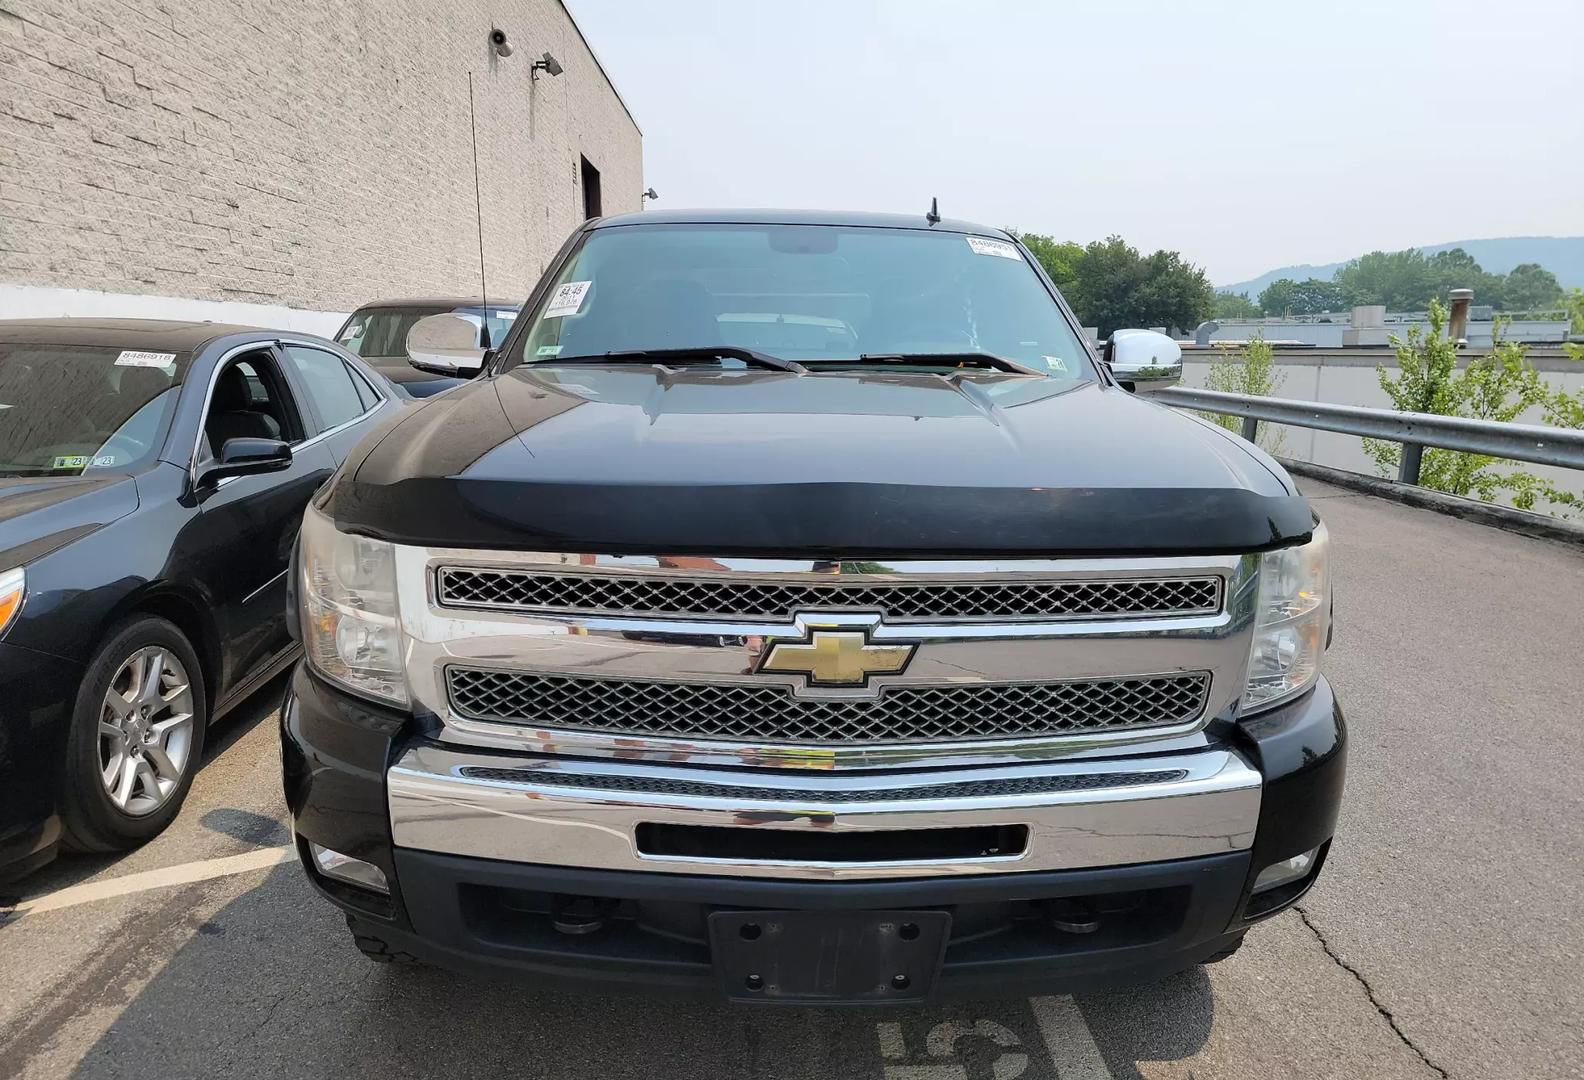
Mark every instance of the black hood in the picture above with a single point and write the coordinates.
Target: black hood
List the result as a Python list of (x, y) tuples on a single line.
[(40, 514), (845, 464)]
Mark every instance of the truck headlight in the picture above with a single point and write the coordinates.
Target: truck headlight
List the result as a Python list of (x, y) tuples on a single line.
[(1290, 625), (351, 632)]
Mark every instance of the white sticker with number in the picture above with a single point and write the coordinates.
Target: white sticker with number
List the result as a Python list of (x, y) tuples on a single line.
[(983, 245), (137, 358), (567, 299)]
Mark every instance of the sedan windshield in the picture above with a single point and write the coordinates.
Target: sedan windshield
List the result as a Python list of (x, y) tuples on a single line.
[(805, 293), (66, 409)]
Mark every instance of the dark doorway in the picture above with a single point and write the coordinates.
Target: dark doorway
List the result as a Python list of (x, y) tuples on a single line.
[(591, 189)]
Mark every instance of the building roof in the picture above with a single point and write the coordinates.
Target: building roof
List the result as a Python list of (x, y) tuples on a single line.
[(163, 335), (850, 218)]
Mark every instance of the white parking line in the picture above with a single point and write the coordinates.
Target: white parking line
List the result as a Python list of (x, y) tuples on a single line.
[(165, 877), (1073, 1052)]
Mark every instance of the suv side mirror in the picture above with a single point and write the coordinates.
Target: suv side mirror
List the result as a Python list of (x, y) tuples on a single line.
[(446, 344), (246, 457), (1144, 359)]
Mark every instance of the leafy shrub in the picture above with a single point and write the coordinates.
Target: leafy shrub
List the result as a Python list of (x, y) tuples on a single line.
[(1499, 387), (1247, 370)]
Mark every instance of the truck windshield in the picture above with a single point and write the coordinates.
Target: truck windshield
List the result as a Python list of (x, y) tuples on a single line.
[(802, 292), (65, 410)]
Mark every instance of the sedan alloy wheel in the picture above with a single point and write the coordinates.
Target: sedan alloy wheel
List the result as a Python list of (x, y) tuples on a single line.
[(146, 731)]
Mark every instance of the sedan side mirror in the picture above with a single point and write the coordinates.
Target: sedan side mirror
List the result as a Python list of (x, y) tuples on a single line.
[(446, 345), (1144, 359), (245, 457)]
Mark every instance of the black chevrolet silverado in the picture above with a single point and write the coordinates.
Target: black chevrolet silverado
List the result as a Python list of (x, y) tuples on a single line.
[(795, 607)]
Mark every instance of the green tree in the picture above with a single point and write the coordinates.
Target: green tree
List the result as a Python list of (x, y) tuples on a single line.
[(1573, 302), (1308, 297), (1408, 280), (1529, 287), (1103, 293), (1060, 258), (1402, 280), (1174, 293), (1457, 269), (1117, 287), (1279, 297), (1248, 370), (1235, 306), (1498, 386), (1315, 296)]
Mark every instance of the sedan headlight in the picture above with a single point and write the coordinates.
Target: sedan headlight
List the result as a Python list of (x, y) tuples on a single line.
[(13, 587), (1291, 623), (350, 623)]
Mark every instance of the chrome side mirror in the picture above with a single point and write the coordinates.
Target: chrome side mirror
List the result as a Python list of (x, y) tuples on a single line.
[(445, 345), (1144, 359)]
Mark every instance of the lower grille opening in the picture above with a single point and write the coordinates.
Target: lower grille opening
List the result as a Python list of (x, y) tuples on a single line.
[(799, 846), (674, 936)]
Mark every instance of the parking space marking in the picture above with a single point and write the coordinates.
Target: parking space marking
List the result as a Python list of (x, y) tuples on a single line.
[(165, 877), (891, 1044), (1073, 1052)]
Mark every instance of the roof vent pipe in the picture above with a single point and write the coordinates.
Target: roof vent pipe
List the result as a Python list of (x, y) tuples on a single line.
[(1457, 328)]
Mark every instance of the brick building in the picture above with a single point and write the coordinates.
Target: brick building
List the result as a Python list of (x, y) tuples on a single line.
[(280, 162)]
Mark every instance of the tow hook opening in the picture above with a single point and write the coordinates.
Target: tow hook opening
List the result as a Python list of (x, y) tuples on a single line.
[(579, 916)]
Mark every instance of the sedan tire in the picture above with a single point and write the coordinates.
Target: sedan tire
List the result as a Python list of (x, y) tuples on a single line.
[(136, 737)]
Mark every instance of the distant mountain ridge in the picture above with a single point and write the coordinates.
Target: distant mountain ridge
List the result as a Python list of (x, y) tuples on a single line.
[(1562, 255)]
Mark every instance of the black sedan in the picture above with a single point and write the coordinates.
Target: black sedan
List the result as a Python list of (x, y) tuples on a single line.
[(152, 479)]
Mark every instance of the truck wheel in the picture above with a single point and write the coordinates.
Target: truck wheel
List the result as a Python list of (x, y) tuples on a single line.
[(136, 737), (374, 947), (1222, 954)]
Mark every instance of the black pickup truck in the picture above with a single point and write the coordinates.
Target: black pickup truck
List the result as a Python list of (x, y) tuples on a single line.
[(795, 607)]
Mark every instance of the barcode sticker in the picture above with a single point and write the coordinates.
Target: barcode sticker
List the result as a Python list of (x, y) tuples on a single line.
[(983, 245), (138, 358)]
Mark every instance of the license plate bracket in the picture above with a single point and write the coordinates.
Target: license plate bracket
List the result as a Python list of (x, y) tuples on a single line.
[(828, 957)]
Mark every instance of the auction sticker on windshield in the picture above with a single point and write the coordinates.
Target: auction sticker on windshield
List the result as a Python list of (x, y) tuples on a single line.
[(985, 246), (567, 299), (137, 358)]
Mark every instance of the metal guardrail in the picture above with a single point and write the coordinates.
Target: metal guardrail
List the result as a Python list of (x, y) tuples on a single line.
[(1563, 447)]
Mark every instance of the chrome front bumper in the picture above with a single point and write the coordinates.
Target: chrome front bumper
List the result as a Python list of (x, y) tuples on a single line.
[(586, 813)]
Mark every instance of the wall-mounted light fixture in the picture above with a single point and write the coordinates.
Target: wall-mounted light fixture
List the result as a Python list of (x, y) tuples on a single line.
[(547, 64), (498, 42)]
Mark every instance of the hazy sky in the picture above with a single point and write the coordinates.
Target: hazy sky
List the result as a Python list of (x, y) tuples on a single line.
[(1247, 135)]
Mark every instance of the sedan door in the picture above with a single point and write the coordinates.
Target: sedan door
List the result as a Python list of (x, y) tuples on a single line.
[(240, 544), (344, 399)]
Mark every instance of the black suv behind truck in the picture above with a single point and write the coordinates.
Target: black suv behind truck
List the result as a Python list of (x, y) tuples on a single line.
[(796, 607)]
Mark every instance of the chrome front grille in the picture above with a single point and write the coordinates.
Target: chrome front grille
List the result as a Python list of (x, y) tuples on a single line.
[(771, 714), (754, 597)]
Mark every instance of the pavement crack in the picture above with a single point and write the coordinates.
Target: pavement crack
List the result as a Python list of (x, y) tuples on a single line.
[(1369, 992), (268, 1016)]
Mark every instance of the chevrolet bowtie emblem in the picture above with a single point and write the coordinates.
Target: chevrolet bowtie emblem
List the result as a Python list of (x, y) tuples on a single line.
[(833, 657)]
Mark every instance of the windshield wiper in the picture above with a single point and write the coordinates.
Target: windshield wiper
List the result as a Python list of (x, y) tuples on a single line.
[(952, 360), (751, 357)]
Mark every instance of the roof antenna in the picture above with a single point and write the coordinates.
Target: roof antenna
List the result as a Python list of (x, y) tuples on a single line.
[(933, 217)]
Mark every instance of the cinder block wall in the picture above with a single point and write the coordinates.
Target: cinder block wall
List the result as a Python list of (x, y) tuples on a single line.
[(306, 154)]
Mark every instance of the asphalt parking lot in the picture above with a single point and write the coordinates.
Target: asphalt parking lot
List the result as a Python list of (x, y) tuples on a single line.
[(1445, 939)]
